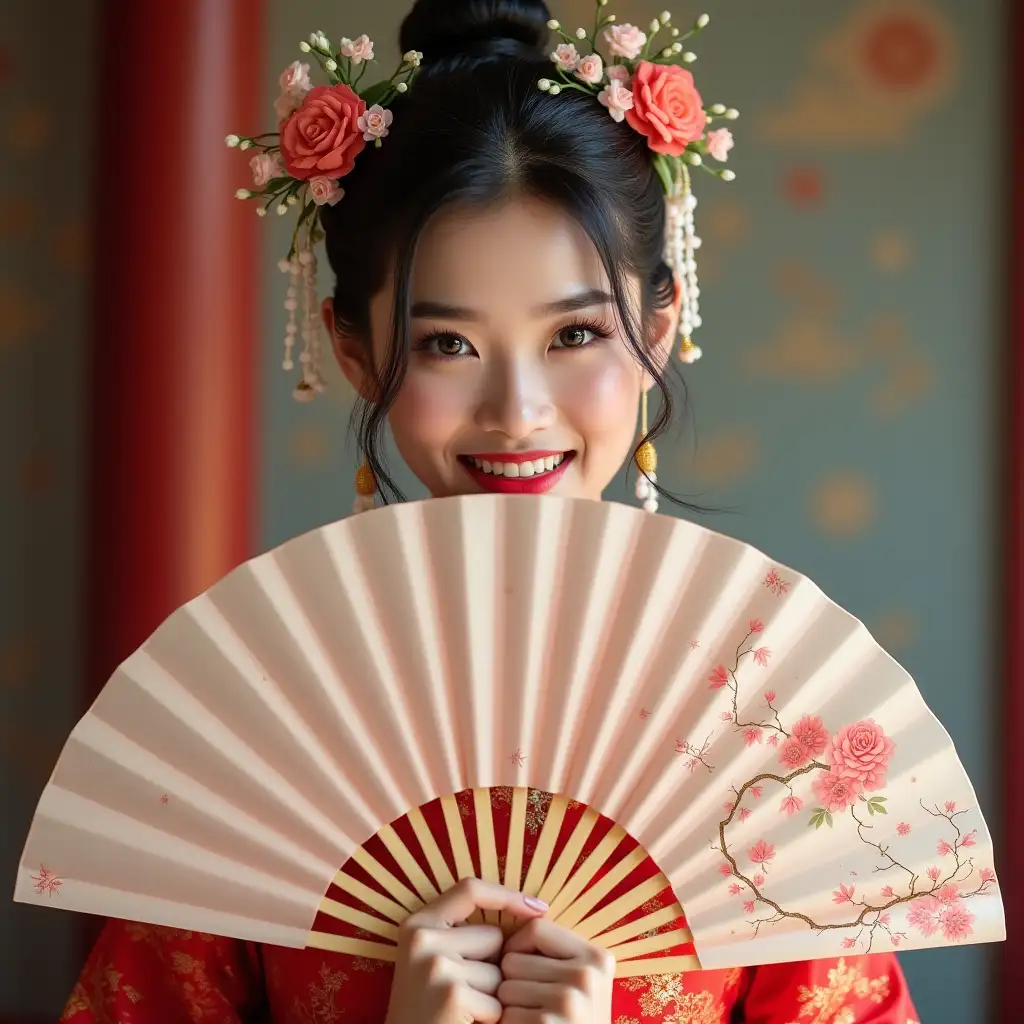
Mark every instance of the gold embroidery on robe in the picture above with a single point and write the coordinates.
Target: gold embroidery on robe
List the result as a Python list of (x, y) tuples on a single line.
[(828, 1004)]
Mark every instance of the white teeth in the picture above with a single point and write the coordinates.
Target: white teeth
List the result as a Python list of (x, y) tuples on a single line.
[(516, 470)]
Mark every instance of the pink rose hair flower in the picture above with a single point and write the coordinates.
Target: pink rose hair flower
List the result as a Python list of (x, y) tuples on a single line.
[(566, 57), (265, 166), (861, 752), (719, 143), (375, 123), (617, 98), (590, 69), (835, 792), (322, 138), (325, 191), (667, 108), (618, 73), (625, 41), (295, 78), (358, 50)]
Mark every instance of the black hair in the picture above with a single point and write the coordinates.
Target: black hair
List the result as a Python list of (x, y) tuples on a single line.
[(475, 129)]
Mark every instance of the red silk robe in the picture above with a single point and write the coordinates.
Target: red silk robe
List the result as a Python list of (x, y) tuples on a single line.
[(140, 974)]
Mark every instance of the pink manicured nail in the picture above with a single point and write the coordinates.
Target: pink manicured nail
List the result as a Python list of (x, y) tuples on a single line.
[(535, 904)]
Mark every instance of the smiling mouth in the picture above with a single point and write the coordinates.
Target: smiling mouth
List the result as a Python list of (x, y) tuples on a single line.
[(518, 470)]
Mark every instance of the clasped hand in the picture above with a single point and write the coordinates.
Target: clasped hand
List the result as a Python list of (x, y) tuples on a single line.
[(451, 972)]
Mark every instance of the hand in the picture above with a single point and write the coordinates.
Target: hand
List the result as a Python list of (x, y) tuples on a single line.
[(446, 972), (554, 977)]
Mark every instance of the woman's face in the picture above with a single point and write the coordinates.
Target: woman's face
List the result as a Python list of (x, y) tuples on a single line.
[(520, 379)]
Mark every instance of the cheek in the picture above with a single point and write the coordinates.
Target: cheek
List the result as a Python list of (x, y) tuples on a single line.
[(601, 399), (430, 410)]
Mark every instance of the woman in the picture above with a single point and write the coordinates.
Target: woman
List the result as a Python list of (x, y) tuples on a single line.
[(502, 304)]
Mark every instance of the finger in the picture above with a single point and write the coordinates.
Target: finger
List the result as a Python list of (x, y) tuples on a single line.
[(531, 995), (456, 905), (472, 942), (482, 977), (530, 967), (548, 939), (517, 1015), (477, 1006)]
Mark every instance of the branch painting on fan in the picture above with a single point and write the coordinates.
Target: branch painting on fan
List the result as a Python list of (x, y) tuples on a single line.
[(328, 775), (848, 767)]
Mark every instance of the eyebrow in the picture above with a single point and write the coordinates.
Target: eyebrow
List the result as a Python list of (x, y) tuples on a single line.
[(428, 310)]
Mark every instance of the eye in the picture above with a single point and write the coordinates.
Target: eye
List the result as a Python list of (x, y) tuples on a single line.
[(582, 335), (573, 337), (445, 346)]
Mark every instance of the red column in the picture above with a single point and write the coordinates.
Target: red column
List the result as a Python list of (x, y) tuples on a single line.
[(1011, 863), (176, 338), (176, 328)]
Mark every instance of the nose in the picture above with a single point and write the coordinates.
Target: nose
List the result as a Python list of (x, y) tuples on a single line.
[(516, 401)]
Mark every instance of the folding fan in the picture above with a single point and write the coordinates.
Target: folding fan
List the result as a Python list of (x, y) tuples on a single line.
[(316, 747)]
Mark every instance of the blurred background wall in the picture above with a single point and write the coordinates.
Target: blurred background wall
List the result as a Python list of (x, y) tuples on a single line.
[(847, 410)]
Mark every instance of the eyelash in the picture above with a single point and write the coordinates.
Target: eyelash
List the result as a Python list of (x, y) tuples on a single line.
[(600, 330)]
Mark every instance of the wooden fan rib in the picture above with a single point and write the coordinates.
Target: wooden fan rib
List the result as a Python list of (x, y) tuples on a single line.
[(428, 844), (541, 859), (487, 846), (460, 846), (514, 854), (603, 919), (408, 863), (639, 927), (380, 874), (653, 944), (583, 875), (374, 900), (353, 947), (655, 965), (568, 857), (582, 906), (367, 922)]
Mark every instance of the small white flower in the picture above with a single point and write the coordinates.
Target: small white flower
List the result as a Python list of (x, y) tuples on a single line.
[(667, 52), (402, 87), (261, 211), (655, 25), (718, 109), (677, 47), (689, 57), (703, 21), (728, 175), (331, 64), (566, 57), (554, 90), (675, 33), (243, 193), (731, 114), (694, 159), (581, 33), (413, 58), (554, 25), (666, 17), (245, 144), (281, 209), (314, 38), (544, 84), (304, 46), (358, 50), (233, 141)]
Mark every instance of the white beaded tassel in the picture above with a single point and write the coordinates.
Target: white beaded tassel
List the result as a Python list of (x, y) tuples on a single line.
[(291, 304), (681, 245), (312, 382)]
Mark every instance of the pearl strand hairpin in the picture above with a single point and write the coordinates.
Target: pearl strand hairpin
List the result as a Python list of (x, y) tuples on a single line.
[(682, 243), (301, 269)]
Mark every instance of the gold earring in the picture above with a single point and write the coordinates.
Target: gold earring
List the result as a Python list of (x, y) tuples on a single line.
[(646, 459), (366, 489)]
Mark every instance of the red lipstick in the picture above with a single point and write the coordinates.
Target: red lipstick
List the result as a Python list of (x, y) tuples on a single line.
[(536, 483)]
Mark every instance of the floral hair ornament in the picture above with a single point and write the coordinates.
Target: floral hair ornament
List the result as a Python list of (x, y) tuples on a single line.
[(320, 133), (642, 82)]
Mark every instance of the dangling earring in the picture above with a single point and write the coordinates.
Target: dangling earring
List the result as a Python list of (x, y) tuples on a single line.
[(646, 459), (366, 489)]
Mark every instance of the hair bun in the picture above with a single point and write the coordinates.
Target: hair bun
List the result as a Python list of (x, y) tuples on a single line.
[(476, 29)]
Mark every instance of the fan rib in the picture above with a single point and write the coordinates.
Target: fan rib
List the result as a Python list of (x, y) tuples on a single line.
[(569, 855), (487, 846), (428, 844), (407, 862), (514, 854), (369, 923), (541, 860), (582, 876), (654, 965), (604, 918), (581, 907), (386, 880), (373, 899), (640, 926), (353, 947), (653, 944), (460, 846)]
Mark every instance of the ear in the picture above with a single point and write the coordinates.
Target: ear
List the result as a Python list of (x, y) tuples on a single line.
[(665, 324), (350, 352)]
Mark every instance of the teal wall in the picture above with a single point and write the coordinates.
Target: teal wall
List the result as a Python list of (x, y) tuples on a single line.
[(846, 408)]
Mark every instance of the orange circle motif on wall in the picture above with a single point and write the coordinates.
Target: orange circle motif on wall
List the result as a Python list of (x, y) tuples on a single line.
[(900, 52)]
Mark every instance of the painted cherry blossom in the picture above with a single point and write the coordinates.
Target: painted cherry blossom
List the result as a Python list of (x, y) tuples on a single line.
[(844, 894), (759, 880), (793, 754), (887, 892), (903, 829), (943, 848), (791, 804), (834, 792), (761, 853), (773, 740), (934, 874), (518, 758), (950, 806), (948, 894), (745, 812), (718, 678), (756, 626), (735, 889), (47, 882), (748, 907), (775, 583), (924, 915), (756, 791), (769, 696), (753, 735), (987, 875), (969, 838), (761, 656), (726, 868), (811, 734), (956, 922)]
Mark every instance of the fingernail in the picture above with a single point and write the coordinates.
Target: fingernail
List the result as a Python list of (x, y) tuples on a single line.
[(535, 904)]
